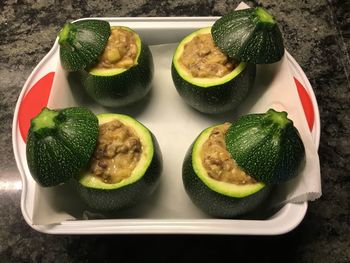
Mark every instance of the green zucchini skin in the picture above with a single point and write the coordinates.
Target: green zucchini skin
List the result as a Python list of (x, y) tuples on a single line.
[(82, 42), (213, 203), (219, 98), (121, 89), (267, 146), (57, 153), (245, 36)]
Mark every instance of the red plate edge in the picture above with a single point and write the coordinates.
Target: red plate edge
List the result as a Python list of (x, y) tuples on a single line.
[(38, 96), (307, 104), (33, 102)]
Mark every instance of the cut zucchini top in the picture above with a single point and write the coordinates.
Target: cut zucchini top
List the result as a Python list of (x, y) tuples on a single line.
[(250, 35)]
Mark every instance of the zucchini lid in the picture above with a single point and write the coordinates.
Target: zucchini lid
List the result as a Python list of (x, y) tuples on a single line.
[(60, 144), (250, 35), (267, 146), (82, 42)]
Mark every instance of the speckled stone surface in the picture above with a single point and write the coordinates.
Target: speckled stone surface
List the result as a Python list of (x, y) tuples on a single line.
[(317, 34)]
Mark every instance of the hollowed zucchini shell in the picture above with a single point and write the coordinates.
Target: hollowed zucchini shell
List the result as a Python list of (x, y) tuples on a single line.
[(132, 190), (82, 43), (211, 95), (121, 87), (116, 88), (218, 199)]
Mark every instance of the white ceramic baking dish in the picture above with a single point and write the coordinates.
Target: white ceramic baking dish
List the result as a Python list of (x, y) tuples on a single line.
[(173, 213)]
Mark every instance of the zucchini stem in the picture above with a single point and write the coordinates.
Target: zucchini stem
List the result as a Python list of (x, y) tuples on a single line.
[(66, 33), (45, 119), (279, 118), (264, 16)]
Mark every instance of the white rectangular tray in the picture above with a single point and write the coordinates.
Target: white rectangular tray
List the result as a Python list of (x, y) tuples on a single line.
[(167, 219)]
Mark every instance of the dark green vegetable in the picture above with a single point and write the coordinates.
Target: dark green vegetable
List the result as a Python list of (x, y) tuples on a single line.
[(60, 144), (82, 42), (216, 198), (130, 191), (211, 95), (250, 35), (118, 87), (267, 146)]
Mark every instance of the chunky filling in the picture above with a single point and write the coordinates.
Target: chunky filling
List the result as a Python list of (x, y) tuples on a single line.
[(218, 162), (205, 60), (120, 51), (117, 152)]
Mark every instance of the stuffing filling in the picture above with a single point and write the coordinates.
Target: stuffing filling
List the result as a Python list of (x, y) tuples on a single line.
[(120, 51), (203, 59), (217, 160), (117, 152)]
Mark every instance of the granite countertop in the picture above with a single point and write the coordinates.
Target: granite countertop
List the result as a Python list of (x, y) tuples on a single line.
[(317, 34)]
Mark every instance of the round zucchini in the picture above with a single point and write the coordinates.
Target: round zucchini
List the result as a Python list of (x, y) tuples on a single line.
[(267, 146), (218, 198), (250, 35), (82, 42), (141, 183), (211, 95), (116, 87), (60, 144)]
